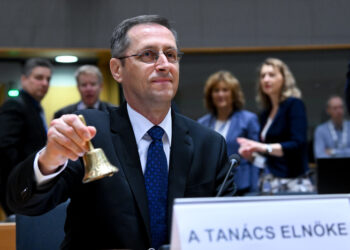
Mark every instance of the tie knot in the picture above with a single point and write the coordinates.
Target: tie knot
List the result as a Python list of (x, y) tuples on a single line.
[(156, 133)]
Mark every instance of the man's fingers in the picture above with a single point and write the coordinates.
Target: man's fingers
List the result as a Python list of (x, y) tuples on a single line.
[(67, 139), (71, 133), (66, 152), (92, 131), (80, 128), (73, 128), (62, 141)]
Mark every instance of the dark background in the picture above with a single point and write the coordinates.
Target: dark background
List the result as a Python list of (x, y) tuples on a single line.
[(201, 24)]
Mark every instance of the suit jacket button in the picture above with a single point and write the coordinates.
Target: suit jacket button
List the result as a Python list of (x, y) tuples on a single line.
[(24, 193)]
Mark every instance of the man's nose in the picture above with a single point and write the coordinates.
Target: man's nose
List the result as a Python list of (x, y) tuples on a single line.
[(46, 81), (162, 63)]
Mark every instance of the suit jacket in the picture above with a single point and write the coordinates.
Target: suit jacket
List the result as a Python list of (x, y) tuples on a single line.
[(113, 212), (70, 109), (347, 89), (289, 128), (243, 124), (22, 133)]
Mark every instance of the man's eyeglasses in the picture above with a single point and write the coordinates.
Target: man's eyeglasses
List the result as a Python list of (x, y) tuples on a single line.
[(151, 56)]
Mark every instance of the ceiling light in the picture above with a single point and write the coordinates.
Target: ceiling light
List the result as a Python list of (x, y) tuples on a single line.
[(66, 59)]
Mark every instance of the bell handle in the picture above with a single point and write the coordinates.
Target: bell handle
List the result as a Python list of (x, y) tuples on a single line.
[(82, 119)]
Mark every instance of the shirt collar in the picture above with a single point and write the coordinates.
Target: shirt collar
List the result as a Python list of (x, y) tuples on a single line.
[(82, 105), (141, 124)]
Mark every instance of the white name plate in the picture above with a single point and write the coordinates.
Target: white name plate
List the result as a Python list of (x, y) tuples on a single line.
[(271, 222)]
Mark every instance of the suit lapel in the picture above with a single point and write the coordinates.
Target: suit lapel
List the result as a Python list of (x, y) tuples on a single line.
[(126, 150), (180, 160), (232, 130)]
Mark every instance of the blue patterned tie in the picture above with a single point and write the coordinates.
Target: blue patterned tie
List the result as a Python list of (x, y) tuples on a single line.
[(156, 181)]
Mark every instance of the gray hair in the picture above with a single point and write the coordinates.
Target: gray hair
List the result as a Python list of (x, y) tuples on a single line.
[(120, 41), (32, 63), (89, 69)]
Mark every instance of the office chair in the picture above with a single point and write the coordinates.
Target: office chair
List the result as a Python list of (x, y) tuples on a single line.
[(41, 232)]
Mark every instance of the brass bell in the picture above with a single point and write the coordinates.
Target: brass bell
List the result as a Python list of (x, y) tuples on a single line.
[(96, 164)]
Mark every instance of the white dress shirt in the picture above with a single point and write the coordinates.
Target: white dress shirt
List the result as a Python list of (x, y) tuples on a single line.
[(140, 126), (82, 105)]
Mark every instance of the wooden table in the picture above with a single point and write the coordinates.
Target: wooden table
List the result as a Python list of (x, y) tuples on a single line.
[(8, 236)]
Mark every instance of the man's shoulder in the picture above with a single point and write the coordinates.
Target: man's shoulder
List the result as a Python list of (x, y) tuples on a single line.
[(15, 103), (195, 128), (108, 104), (321, 127), (71, 108), (94, 115), (204, 119)]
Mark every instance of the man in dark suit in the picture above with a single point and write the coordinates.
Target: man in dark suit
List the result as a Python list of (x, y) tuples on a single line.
[(22, 124), (89, 82), (119, 212)]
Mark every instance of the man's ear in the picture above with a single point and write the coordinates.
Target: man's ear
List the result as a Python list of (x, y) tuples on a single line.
[(115, 66)]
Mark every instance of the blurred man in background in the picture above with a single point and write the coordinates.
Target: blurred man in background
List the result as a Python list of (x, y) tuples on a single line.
[(22, 121), (332, 138), (89, 82)]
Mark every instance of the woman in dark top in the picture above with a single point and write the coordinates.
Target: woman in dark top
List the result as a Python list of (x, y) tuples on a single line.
[(283, 135)]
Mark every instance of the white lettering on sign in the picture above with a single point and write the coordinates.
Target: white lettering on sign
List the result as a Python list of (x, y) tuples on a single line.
[(303, 223)]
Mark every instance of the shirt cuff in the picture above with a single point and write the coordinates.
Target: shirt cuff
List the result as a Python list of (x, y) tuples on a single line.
[(259, 160), (39, 177)]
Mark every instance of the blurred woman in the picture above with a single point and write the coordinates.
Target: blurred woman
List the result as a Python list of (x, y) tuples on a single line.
[(283, 135), (224, 99)]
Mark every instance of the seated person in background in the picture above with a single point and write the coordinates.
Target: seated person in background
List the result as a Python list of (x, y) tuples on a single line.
[(89, 82), (225, 100), (22, 121), (332, 138), (283, 121), (161, 155)]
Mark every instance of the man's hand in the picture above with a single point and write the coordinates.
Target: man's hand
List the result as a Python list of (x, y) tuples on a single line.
[(67, 138)]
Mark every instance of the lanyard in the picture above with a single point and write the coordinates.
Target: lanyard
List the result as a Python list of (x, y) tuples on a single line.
[(338, 143)]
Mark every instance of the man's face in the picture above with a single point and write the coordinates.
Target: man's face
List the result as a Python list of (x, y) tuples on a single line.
[(89, 88), (336, 110), (37, 83), (148, 85)]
